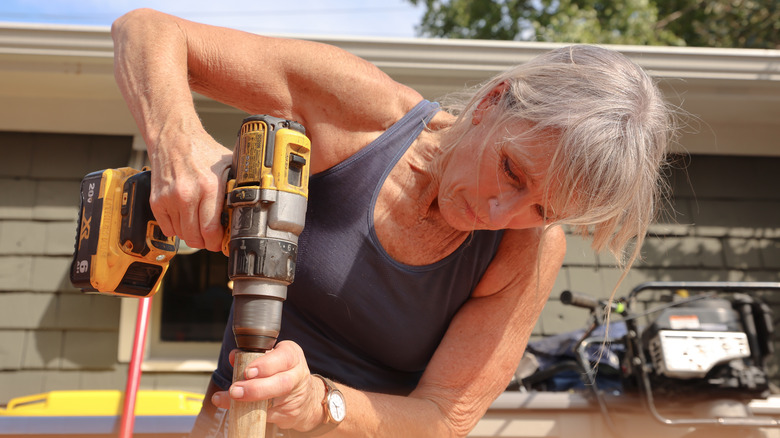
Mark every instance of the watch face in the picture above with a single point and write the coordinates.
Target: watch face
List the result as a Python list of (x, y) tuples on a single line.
[(337, 407)]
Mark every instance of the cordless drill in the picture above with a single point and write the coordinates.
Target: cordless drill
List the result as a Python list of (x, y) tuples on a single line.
[(120, 249), (266, 199)]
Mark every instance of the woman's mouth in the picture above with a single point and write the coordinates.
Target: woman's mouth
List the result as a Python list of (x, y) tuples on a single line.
[(472, 216)]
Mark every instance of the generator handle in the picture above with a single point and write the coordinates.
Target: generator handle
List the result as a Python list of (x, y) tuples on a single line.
[(726, 286)]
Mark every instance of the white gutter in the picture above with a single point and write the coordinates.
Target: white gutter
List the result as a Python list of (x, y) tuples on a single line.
[(434, 56), (55, 40)]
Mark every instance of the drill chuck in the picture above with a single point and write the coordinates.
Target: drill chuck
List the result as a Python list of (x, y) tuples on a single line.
[(257, 321)]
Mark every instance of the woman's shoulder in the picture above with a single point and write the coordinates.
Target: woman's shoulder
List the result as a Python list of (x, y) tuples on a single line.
[(338, 137), (518, 243), (523, 254)]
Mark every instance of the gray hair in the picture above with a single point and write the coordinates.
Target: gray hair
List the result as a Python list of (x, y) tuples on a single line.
[(612, 129)]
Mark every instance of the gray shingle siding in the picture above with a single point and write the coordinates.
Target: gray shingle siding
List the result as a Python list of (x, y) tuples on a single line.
[(51, 335)]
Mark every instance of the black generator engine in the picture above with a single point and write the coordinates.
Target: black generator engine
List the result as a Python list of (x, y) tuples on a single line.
[(709, 344)]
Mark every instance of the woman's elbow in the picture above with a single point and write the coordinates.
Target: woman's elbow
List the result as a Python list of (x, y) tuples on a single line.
[(455, 420), (461, 422), (141, 15)]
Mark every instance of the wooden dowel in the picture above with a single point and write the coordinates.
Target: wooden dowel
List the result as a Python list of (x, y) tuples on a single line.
[(247, 419)]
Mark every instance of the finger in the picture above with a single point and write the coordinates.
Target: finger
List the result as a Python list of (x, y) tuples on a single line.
[(173, 215), (160, 213), (210, 212), (286, 355), (159, 200), (283, 356), (256, 389), (163, 220), (214, 231), (276, 373), (221, 399), (184, 217), (190, 229), (184, 230)]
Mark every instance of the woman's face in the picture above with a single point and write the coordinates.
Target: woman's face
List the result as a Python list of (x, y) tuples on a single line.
[(492, 187)]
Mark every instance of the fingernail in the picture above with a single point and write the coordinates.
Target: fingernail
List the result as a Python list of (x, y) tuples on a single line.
[(236, 392), (215, 399), (251, 373)]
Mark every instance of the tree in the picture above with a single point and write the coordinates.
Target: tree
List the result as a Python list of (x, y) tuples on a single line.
[(713, 23), (723, 23), (485, 19), (605, 22)]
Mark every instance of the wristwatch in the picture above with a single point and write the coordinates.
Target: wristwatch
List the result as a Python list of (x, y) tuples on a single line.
[(334, 406)]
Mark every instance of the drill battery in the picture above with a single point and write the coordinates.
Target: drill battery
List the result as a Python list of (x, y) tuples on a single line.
[(120, 249)]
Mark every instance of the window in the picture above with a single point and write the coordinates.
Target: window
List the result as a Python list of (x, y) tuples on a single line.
[(188, 316), (196, 301)]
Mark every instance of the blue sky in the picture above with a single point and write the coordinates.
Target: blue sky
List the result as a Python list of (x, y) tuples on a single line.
[(375, 18)]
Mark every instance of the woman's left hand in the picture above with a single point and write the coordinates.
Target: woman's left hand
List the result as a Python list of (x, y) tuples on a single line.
[(282, 377)]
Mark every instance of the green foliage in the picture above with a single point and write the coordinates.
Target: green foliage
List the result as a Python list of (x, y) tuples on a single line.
[(713, 23), (484, 19), (723, 23), (604, 22)]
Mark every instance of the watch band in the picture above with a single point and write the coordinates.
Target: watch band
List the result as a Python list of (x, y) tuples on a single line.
[(329, 423)]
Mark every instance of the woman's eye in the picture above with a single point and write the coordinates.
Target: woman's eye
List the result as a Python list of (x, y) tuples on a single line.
[(541, 212), (509, 172), (547, 214)]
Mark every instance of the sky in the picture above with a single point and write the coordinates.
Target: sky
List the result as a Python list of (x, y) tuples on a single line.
[(372, 18)]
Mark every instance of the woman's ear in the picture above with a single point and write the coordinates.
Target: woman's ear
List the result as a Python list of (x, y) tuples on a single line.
[(490, 99)]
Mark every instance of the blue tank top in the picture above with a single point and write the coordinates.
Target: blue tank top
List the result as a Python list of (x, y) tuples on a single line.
[(361, 317)]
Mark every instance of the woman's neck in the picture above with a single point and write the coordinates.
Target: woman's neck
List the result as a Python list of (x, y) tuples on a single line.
[(409, 204)]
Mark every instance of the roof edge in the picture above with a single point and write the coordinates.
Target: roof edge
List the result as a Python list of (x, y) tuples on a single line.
[(26, 39)]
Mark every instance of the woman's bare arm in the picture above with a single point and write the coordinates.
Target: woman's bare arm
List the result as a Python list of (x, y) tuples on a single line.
[(343, 101)]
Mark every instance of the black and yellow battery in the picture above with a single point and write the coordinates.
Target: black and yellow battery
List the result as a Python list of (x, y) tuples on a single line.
[(120, 249)]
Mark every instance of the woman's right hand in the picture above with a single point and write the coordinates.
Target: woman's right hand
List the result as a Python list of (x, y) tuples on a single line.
[(188, 187)]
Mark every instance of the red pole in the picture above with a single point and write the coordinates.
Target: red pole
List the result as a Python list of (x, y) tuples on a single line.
[(134, 373)]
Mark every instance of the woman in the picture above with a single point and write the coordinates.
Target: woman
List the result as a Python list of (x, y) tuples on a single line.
[(432, 238)]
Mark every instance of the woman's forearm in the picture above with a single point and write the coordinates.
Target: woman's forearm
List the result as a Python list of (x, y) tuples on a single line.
[(381, 415), (150, 66), (151, 69)]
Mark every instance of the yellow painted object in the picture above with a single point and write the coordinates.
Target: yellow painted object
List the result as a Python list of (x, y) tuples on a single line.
[(103, 403)]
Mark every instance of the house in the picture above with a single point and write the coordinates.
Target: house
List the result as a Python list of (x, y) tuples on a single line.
[(62, 116)]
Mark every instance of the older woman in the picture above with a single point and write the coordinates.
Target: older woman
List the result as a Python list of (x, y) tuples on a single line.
[(432, 237)]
